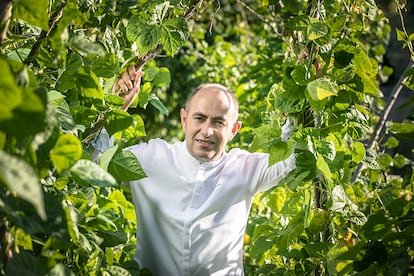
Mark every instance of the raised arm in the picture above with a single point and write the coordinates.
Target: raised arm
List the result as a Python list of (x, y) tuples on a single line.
[(129, 84)]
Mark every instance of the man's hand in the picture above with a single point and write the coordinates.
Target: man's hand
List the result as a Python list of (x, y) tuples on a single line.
[(129, 84)]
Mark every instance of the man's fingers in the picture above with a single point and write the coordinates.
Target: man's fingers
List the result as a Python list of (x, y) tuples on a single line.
[(126, 80), (131, 72)]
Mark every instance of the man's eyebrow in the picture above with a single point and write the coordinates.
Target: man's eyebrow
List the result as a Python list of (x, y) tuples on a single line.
[(221, 118), (199, 114)]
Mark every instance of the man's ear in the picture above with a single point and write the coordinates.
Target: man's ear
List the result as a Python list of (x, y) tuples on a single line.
[(236, 127), (183, 116)]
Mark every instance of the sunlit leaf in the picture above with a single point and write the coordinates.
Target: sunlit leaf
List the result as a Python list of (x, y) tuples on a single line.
[(66, 152), (87, 83), (117, 120), (87, 173), (321, 89), (33, 14)]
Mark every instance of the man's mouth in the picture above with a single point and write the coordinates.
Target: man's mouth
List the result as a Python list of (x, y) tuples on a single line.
[(204, 142)]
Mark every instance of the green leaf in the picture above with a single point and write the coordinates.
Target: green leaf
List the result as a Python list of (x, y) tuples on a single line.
[(33, 14), (320, 89), (66, 152), (85, 47), (358, 152), (28, 118), (146, 36), (317, 30), (10, 94), (106, 157), (86, 173), (287, 99), (83, 115), (111, 238), (323, 167), (125, 167), (174, 34), (25, 263), (117, 120), (277, 199), (301, 75), (280, 151), (21, 179), (106, 66), (155, 101), (87, 83), (403, 129), (162, 78), (400, 35)]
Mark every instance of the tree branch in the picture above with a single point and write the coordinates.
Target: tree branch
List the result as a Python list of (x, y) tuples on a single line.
[(5, 16), (45, 34)]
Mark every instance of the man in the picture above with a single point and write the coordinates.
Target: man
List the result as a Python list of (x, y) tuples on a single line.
[(193, 207)]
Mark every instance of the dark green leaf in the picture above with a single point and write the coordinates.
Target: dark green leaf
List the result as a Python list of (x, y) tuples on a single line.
[(125, 167), (155, 101), (25, 263), (21, 179)]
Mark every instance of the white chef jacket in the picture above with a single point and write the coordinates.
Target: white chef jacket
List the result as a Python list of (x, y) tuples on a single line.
[(192, 215)]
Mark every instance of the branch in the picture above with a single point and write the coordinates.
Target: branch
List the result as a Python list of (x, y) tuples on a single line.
[(5, 16), (384, 117), (45, 34), (260, 17)]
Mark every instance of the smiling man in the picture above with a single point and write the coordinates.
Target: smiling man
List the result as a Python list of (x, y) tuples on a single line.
[(193, 206), (209, 121)]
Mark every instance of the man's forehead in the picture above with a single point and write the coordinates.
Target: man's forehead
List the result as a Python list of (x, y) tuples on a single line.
[(214, 95)]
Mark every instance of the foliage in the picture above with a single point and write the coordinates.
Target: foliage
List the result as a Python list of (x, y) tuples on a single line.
[(64, 208)]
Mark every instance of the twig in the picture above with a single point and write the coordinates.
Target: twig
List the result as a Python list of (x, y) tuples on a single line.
[(261, 18), (5, 16), (45, 34)]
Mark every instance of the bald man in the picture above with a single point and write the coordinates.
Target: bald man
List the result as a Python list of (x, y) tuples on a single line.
[(193, 206)]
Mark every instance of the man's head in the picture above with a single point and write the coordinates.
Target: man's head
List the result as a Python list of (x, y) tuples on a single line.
[(209, 121)]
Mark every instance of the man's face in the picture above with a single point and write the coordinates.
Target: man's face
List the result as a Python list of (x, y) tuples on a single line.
[(209, 123)]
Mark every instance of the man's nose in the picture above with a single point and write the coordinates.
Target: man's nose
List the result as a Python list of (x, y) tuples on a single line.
[(207, 130)]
